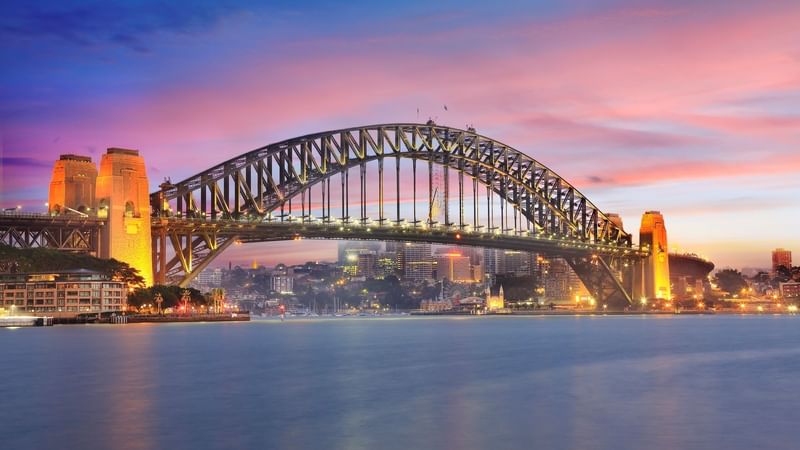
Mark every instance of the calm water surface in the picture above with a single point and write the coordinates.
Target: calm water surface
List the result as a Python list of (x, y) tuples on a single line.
[(631, 382)]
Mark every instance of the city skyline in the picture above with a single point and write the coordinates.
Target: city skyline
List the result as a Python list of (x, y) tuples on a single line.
[(653, 107)]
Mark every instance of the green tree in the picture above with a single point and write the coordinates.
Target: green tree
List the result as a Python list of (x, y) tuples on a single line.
[(49, 260), (217, 298), (730, 280), (170, 294)]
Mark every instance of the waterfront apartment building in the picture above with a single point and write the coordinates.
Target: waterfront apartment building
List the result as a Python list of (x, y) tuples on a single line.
[(790, 290), (76, 292), (781, 257)]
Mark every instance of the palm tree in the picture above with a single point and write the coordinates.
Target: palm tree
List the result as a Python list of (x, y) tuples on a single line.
[(217, 297)]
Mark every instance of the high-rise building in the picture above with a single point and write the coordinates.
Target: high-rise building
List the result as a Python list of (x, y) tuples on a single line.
[(507, 262), (353, 247), (655, 270), (386, 264), (560, 282), (417, 262), (282, 279), (453, 265), (516, 262), (781, 257), (490, 257), (366, 264)]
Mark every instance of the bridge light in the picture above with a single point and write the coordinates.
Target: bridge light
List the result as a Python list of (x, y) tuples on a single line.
[(458, 235)]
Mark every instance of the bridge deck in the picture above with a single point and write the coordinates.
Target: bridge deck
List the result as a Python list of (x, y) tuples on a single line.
[(264, 231)]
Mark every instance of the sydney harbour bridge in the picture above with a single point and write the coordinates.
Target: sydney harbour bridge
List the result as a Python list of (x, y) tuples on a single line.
[(403, 182), (392, 182)]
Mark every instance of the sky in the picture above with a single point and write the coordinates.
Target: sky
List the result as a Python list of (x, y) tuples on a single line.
[(689, 108)]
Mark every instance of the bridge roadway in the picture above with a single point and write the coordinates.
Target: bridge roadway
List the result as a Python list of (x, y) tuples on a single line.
[(247, 231)]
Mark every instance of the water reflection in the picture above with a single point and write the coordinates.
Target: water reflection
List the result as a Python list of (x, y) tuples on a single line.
[(616, 382)]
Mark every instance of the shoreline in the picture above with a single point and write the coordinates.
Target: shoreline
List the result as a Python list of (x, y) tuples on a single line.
[(44, 321)]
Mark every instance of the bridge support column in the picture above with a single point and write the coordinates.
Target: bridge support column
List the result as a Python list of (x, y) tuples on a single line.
[(159, 251), (124, 201), (654, 279), (609, 280)]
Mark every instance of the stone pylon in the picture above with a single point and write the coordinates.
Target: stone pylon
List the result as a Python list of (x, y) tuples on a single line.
[(123, 199), (72, 187), (654, 278)]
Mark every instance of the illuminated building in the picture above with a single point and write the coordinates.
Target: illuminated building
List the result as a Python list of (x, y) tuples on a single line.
[(346, 248), (502, 262), (417, 263), (495, 302), (790, 290), (655, 268), (386, 264), (208, 278), (73, 185), (560, 282), (66, 292), (781, 257), (478, 274), (282, 279), (490, 261), (516, 262), (349, 262), (119, 194), (366, 264), (123, 199), (436, 305), (453, 266)]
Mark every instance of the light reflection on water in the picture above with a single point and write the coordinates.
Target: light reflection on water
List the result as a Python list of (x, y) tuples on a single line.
[(556, 382)]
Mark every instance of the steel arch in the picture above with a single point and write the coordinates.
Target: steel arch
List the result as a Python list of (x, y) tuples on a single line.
[(214, 208)]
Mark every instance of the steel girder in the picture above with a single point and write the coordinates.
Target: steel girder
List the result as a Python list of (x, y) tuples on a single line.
[(251, 187), (60, 233)]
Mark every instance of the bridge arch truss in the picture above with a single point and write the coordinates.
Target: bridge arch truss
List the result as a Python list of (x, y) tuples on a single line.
[(302, 188)]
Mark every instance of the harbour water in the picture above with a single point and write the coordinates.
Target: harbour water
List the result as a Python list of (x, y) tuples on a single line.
[(626, 382)]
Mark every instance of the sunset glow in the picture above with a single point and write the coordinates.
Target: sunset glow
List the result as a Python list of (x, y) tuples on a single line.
[(692, 109)]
